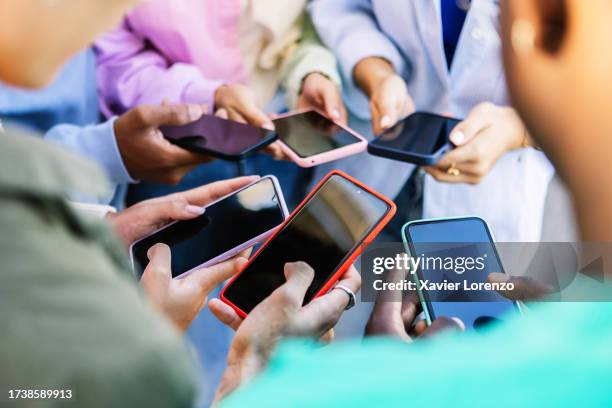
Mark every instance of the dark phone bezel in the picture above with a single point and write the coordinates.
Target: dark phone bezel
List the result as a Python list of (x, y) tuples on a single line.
[(271, 137), (423, 294), (349, 258), (411, 157)]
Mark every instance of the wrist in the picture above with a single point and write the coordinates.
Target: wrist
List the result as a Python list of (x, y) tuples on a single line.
[(370, 72)]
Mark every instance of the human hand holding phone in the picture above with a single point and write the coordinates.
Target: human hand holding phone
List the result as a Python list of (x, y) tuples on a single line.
[(488, 132), (386, 90), (182, 300), (146, 154), (395, 315), (320, 93), (147, 216), (280, 315)]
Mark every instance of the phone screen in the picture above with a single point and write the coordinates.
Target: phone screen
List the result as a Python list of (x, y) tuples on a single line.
[(467, 255), (420, 133), (224, 226), (323, 233), (213, 134), (311, 133)]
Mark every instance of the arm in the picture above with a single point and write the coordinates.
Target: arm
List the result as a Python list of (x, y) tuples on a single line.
[(98, 143), (349, 28), (131, 73), (311, 56)]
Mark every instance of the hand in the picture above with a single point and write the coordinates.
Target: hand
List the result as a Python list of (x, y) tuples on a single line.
[(281, 314), (181, 300), (481, 139), (394, 315), (320, 93), (150, 215), (149, 156), (525, 288), (387, 91), (237, 102)]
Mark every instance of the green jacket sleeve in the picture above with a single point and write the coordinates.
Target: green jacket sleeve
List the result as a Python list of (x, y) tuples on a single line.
[(309, 56), (72, 316)]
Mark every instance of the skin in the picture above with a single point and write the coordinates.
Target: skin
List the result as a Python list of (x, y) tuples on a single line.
[(278, 316), (481, 139), (146, 154), (566, 77), (68, 25)]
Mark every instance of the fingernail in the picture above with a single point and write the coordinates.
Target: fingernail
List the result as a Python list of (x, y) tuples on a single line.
[(269, 125), (385, 121), (457, 137), (194, 209), (459, 322), (336, 114), (194, 112)]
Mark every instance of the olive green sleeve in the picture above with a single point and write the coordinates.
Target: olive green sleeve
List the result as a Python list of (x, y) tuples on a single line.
[(309, 56)]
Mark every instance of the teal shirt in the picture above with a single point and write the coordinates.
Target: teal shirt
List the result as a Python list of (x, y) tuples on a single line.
[(557, 355)]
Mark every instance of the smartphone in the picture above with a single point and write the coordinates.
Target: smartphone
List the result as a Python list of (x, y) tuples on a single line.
[(327, 231), (221, 138), (460, 251), (309, 138), (228, 226), (421, 138)]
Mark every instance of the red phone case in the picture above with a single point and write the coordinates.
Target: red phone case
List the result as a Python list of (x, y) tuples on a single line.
[(352, 257)]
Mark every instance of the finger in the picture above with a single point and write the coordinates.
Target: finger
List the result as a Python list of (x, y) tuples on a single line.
[(420, 327), (444, 177), (275, 151), (387, 115), (222, 113), (299, 277), (476, 122), (253, 115), (411, 307), (443, 324), (212, 276), (328, 336), (351, 279), (162, 212), (214, 191), (463, 154), (158, 273), (332, 101), (176, 115), (524, 287), (225, 314)]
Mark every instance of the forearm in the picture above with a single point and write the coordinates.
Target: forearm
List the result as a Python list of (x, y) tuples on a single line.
[(369, 72), (96, 142)]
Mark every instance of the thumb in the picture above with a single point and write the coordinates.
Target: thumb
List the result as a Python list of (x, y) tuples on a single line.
[(175, 115), (466, 130), (331, 102), (212, 276), (299, 277), (523, 287), (158, 273)]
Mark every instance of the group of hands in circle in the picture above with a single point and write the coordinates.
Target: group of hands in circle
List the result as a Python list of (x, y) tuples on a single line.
[(280, 315), (480, 139)]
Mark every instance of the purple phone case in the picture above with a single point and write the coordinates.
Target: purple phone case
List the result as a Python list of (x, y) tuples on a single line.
[(235, 251)]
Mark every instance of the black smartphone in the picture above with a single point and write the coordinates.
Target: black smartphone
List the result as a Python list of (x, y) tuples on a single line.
[(421, 138), (327, 231), (454, 258), (228, 226), (221, 138)]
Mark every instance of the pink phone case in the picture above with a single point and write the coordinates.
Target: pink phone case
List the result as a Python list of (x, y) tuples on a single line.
[(326, 156), (235, 251)]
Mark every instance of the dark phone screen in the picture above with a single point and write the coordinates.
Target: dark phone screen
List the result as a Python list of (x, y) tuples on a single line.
[(336, 219), (224, 226), (459, 240), (420, 133), (311, 133), (214, 134)]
